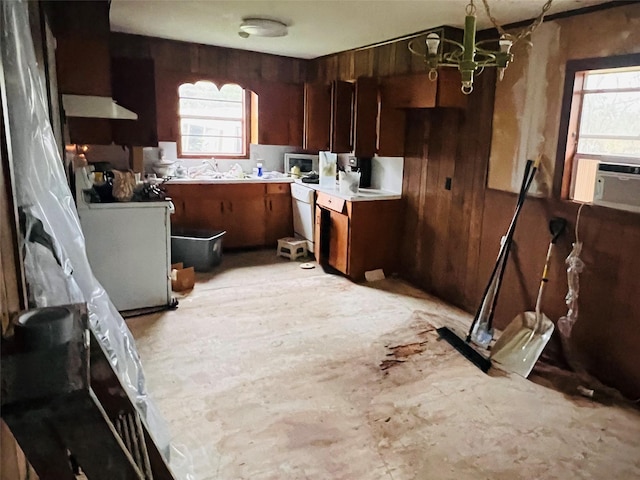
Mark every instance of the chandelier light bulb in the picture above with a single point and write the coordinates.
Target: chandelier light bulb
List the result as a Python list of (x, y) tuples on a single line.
[(433, 42), (505, 44)]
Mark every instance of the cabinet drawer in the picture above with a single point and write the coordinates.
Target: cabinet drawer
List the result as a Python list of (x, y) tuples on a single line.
[(332, 203), (278, 188)]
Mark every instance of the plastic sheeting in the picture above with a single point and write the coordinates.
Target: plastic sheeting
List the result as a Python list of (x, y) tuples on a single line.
[(574, 267), (56, 264)]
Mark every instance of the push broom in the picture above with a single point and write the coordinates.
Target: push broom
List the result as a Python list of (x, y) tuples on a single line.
[(481, 330)]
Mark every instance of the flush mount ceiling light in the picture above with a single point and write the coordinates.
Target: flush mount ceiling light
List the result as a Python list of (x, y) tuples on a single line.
[(471, 57), (262, 27)]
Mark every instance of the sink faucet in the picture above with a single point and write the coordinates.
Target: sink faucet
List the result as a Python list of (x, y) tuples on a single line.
[(213, 163)]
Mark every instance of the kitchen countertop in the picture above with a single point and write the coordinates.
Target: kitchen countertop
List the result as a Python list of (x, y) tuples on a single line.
[(363, 195), (186, 181)]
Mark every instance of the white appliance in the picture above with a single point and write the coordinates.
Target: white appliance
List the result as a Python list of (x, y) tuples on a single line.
[(304, 205), (328, 169), (307, 163), (129, 249), (618, 186)]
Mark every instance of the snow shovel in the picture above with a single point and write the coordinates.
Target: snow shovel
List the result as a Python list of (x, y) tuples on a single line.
[(521, 344)]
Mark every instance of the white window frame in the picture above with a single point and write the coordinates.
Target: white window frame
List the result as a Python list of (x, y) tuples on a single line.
[(245, 125)]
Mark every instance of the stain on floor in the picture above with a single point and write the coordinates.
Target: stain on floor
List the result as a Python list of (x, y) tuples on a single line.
[(269, 371)]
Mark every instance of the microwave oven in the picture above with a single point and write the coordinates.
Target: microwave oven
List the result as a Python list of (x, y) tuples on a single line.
[(307, 163)]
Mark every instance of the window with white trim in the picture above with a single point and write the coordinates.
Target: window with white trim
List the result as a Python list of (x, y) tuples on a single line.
[(213, 122), (605, 126)]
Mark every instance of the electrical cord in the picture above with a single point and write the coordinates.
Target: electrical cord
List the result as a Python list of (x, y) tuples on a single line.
[(578, 222)]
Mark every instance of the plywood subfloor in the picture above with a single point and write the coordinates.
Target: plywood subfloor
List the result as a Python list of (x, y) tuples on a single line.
[(268, 371)]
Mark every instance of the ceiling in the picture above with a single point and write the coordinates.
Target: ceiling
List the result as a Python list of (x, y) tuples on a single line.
[(316, 27)]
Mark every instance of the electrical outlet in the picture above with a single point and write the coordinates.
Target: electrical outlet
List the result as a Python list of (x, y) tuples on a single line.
[(447, 183)]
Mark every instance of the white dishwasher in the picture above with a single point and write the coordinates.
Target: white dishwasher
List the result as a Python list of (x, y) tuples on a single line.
[(304, 204)]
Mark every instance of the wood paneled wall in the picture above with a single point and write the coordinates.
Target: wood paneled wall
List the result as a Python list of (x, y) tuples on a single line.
[(607, 333), (278, 81), (224, 64), (390, 59), (447, 146), (451, 237)]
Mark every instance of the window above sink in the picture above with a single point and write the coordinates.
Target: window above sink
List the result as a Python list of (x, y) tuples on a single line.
[(213, 121)]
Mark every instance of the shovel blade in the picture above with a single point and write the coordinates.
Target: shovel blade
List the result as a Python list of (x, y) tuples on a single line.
[(521, 344)]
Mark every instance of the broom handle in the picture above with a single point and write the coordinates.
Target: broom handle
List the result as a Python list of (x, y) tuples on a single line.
[(543, 280), (504, 249), (509, 241)]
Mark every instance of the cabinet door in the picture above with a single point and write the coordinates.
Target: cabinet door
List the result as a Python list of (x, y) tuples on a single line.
[(317, 116), (408, 91), (280, 114), (341, 115), (319, 252), (178, 217), (279, 218), (391, 131), (204, 213), (83, 64), (449, 89), (197, 207), (133, 85), (79, 76), (365, 116), (339, 242), (418, 91), (243, 219)]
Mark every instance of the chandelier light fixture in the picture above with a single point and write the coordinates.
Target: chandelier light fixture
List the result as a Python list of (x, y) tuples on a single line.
[(471, 57)]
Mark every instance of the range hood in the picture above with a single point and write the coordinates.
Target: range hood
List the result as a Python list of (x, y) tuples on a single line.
[(89, 106)]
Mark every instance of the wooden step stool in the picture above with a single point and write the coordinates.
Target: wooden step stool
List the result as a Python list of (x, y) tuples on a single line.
[(292, 248)]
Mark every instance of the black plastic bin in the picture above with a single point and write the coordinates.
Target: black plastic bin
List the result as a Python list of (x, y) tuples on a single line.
[(199, 249)]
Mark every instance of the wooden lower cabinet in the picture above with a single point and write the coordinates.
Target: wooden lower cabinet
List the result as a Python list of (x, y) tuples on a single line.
[(244, 221), (279, 218), (355, 237), (338, 255), (252, 214)]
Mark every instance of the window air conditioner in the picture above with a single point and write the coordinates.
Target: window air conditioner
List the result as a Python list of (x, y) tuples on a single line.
[(618, 186)]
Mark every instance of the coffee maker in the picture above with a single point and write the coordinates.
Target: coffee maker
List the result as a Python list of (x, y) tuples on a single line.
[(362, 165)]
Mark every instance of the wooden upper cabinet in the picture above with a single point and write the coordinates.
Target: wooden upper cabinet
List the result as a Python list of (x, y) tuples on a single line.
[(133, 86), (418, 91), (83, 65), (408, 91), (317, 116), (280, 114), (391, 131), (341, 116), (365, 114), (449, 92), (400, 92), (82, 68)]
